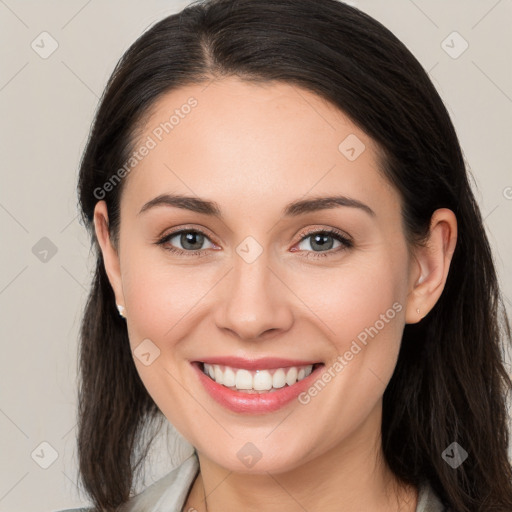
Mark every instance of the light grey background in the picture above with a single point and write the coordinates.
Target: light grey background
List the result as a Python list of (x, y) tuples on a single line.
[(47, 105)]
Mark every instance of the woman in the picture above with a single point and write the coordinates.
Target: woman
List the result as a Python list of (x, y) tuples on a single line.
[(292, 270)]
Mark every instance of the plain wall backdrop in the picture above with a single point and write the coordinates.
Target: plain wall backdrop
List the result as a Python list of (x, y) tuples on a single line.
[(56, 57)]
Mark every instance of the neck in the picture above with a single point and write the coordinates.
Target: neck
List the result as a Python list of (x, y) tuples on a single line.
[(351, 476)]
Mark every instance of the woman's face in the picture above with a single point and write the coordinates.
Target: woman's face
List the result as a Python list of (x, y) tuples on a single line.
[(257, 282)]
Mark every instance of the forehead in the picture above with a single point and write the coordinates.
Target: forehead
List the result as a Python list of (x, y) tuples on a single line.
[(254, 143)]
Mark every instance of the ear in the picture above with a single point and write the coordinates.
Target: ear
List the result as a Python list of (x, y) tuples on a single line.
[(430, 269), (109, 252)]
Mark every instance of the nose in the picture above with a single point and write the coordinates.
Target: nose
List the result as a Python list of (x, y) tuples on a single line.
[(254, 301)]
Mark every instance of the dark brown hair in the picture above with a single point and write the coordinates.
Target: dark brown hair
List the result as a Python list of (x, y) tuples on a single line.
[(450, 383)]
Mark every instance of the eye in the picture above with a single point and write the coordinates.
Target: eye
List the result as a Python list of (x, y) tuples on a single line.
[(323, 240), (190, 239)]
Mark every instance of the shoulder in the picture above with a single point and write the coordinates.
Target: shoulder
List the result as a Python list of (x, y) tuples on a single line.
[(168, 493), (428, 500)]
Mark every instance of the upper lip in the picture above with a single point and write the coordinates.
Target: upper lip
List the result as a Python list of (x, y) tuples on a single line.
[(263, 363)]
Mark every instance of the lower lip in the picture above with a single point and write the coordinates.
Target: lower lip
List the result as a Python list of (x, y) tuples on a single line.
[(254, 403)]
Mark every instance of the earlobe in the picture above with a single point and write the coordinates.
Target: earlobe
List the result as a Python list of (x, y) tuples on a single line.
[(431, 265), (109, 253)]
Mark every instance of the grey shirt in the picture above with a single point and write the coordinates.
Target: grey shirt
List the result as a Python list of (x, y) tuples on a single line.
[(170, 492)]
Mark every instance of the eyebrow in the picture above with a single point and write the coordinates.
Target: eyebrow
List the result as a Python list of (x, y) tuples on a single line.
[(293, 209)]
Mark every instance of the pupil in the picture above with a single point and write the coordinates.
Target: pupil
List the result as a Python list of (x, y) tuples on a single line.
[(322, 243), (190, 238)]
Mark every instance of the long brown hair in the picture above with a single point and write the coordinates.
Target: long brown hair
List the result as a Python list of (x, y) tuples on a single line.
[(450, 383)]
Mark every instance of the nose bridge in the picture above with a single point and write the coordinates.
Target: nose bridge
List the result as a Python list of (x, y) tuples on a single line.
[(254, 301)]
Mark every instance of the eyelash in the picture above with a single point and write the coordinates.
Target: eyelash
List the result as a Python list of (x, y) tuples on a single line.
[(346, 243)]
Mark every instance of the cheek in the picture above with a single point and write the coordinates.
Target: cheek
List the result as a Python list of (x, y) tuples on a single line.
[(361, 310), (355, 296), (159, 296), (160, 300)]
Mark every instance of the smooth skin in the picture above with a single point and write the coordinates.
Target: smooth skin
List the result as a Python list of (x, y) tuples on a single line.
[(252, 149)]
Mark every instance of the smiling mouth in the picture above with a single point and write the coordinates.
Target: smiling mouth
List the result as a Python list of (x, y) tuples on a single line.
[(257, 381)]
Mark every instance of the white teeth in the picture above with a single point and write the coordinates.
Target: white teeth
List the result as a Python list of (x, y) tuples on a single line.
[(217, 373), (243, 378), (229, 377), (279, 379), (259, 380), (291, 376)]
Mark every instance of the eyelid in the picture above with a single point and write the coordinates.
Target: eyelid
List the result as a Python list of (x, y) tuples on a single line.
[(316, 229), (187, 227)]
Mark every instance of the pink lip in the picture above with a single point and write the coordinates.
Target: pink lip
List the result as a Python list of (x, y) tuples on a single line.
[(254, 403), (265, 363)]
